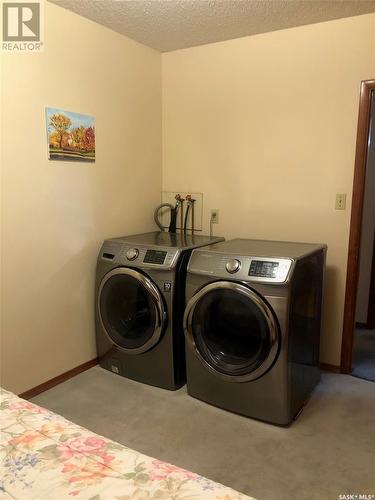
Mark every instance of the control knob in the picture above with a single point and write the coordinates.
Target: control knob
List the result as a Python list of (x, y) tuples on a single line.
[(232, 266), (132, 253)]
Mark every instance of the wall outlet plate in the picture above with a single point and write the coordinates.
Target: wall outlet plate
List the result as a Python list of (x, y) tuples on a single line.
[(214, 216), (169, 197)]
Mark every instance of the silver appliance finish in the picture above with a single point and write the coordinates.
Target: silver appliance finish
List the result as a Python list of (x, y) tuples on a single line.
[(277, 389), (160, 360)]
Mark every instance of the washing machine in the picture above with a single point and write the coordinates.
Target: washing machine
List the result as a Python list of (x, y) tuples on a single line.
[(140, 299), (252, 326)]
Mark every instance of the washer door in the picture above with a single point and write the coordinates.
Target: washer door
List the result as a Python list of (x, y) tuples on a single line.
[(131, 310), (232, 330)]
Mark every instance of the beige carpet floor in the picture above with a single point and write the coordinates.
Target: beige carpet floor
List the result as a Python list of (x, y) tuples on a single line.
[(329, 451)]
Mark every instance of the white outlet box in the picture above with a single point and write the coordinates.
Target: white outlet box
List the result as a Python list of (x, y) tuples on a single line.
[(169, 197)]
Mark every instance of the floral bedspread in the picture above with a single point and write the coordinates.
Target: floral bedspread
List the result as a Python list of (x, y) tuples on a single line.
[(46, 457)]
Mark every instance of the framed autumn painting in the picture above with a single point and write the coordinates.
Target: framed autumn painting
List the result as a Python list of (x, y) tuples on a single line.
[(71, 136)]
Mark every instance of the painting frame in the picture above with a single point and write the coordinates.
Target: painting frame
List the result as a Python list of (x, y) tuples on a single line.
[(71, 136)]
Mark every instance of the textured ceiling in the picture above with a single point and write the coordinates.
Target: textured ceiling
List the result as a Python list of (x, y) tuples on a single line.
[(174, 24)]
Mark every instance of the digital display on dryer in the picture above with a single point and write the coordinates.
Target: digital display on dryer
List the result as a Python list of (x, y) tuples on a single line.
[(263, 269)]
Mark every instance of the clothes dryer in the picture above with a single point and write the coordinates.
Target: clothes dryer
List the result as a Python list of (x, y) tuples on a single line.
[(252, 326)]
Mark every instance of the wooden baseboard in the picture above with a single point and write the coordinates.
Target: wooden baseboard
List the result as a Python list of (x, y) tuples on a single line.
[(58, 380), (31, 393), (326, 367)]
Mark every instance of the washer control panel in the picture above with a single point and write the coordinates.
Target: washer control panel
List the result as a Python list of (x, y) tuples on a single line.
[(233, 266), (132, 253), (155, 257), (139, 255), (150, 257)]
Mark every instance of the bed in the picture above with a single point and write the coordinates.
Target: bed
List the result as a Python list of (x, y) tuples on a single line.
[(44, 456)]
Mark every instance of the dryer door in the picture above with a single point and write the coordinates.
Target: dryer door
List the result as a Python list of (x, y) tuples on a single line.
[(131, 310), (233, 331)]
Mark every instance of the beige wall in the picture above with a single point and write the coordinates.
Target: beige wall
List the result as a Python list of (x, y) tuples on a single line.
[(265, 127), (56, 214)]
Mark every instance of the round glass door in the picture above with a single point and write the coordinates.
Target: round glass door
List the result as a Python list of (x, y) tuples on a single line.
[(131, 310), (233, 330)]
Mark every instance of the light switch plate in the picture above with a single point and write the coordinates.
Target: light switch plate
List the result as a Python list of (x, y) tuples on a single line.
[(340, 203)]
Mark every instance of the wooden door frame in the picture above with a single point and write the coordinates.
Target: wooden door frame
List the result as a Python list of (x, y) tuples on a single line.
[(367, 87)]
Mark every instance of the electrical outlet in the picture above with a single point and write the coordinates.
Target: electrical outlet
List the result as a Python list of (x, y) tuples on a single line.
[(340, 202), (214, 216)]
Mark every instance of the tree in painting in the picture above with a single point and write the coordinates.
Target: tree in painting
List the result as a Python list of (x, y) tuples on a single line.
[(78, 135), (61, 124), (89, 138)]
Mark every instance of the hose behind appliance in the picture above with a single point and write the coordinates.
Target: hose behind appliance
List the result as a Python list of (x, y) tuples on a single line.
[(173, 216), (186, 217), (190, 208), (173, 223), (178, 207)]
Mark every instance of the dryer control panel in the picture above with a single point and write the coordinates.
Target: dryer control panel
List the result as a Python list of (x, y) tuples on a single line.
[(269, 269), (245, 268)]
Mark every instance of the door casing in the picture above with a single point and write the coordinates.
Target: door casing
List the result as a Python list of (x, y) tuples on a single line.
[(352, 275)]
